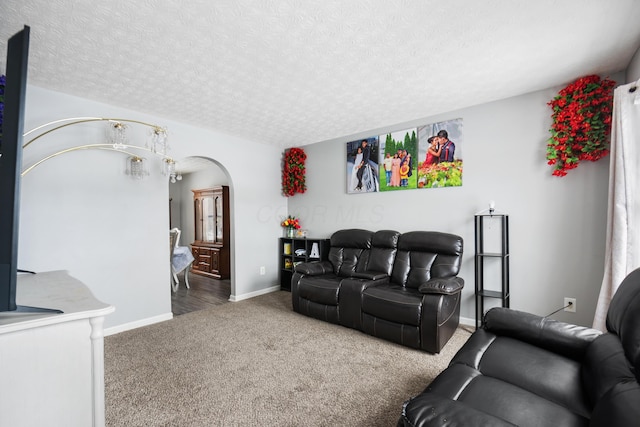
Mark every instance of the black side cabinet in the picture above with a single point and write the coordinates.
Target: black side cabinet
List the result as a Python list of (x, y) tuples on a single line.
[(486, 258), (294, 251)]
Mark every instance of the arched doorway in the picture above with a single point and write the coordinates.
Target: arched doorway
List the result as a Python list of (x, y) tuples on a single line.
[(206, 289)]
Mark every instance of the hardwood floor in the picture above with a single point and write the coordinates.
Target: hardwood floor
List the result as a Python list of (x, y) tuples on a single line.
[(204, 293)]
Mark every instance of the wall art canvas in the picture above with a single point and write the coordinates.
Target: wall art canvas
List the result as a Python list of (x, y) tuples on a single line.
[(440, 154), (362, 166), (428, 156), (398, 154)]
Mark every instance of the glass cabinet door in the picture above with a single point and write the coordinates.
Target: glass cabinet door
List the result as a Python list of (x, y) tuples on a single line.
[(208, 216), (198, 219), (210, 206), (218, 204)]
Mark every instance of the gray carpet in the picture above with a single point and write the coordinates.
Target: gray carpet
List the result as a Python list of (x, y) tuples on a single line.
[(256, 362)]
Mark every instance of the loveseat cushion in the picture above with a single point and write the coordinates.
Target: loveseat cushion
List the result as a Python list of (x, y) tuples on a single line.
[(555, 378), (430, 409), (348, 249), (497, 398), (393, 303), (384, 246), (352, 238), (426, 254), (345, 260)]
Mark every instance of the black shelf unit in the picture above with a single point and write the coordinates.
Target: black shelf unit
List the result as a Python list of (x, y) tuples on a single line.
[(299, 250), (482, 257)]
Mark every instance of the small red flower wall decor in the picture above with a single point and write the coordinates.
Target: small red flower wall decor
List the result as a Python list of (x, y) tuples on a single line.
[(581, 123), (293, 180)]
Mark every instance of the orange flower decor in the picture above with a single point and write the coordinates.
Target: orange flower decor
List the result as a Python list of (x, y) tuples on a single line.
[(293, 172), (291, 222), (581, 123)]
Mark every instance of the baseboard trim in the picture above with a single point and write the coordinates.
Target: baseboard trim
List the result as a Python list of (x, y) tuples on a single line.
[(236, 298), (466, 321), (137, 324)]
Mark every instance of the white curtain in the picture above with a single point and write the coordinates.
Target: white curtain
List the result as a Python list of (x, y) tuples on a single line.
[(623, 217)]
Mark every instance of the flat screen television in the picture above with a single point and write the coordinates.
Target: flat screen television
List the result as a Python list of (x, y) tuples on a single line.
[(10, 165), (10, 169)]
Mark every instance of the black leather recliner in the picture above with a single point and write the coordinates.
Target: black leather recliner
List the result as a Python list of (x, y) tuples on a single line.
[(399, 287), (525, 370)]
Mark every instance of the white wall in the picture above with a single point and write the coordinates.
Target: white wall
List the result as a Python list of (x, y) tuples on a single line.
[(557, 224), (80, 213), (633, 70)]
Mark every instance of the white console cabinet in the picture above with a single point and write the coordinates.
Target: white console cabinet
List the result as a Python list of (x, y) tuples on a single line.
[(52, 365)]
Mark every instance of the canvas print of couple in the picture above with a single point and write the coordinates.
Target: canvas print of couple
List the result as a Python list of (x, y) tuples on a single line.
[(428, 156)]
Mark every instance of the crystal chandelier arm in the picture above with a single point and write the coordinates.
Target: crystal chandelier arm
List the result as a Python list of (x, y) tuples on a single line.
[(76, 120), (107, 147)]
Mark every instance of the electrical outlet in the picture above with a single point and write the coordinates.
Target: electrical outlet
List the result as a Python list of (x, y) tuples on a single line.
[(263, 270), (571, 303)]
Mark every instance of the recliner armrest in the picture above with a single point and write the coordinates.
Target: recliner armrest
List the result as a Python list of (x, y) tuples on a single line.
[(430, 409), (553, 335), (314, 268), (440, 285)]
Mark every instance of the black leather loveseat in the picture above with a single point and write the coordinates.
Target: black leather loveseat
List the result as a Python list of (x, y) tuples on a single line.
[(524, 370), (399, 287)]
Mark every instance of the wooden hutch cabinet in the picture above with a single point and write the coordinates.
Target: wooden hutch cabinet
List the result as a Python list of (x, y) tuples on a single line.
[(211, 246)]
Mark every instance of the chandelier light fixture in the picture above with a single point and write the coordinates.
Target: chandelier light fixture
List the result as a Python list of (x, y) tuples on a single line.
[(158, 143), (137, 167), (117, 136), (169, 169), (116, 140)]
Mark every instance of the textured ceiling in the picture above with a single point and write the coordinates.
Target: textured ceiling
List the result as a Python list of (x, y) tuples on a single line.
[(294, 72)]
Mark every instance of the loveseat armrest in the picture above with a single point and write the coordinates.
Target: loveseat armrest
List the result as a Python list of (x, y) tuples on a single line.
[(442, 285), (314, 268), (430, 409), (370, 275), (559, 337)]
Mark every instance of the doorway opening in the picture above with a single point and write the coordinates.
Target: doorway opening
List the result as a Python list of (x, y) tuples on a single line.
[(199, 206)]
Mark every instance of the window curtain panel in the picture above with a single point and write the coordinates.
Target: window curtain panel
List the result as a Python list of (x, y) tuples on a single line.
[(622, 253)]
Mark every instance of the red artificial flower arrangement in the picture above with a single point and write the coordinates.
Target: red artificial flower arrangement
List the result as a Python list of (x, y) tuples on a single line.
[(293, 172), (581, 123)]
